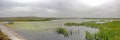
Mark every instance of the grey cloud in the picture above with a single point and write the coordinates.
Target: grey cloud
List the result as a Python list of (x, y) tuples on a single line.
[(58, 8)]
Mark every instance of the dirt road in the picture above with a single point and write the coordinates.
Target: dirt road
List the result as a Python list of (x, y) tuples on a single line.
[(12, 35)]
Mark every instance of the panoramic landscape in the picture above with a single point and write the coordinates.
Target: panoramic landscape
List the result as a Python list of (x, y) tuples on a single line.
[(59, 20)]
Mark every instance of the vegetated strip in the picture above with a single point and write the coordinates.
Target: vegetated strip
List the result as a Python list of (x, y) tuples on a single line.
[(107, 31)]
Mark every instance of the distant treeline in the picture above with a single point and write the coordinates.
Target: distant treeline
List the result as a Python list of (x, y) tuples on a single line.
[(26, 19)]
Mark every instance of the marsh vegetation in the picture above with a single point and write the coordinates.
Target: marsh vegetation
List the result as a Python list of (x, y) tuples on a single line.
[(63, 31), (107, 31)]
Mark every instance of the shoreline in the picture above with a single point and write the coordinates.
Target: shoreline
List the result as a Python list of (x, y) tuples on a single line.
[(10, 33)]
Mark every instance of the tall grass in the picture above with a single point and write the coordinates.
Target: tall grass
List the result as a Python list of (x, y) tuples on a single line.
[(63, 31), (90, 24), (107, 31)]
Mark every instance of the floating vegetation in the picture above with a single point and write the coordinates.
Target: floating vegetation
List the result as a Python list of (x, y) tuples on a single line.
[(72, 24), (63, 31), (90, 24)]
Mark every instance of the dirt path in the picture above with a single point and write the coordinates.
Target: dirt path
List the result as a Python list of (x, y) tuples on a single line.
[(12, 35)]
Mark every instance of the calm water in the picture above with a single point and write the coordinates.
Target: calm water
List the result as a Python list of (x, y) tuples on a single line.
[(50, 33)]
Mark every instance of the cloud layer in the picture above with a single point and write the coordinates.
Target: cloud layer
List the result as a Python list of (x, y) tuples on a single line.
[(59, 8)]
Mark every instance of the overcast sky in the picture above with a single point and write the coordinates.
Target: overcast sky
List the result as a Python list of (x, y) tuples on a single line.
[(60, 8)]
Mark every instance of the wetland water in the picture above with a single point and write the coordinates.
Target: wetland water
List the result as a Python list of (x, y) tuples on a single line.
[(45, 30)]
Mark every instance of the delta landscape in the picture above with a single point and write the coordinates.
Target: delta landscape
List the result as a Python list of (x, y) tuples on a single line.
[(59, 20), (35, 28)]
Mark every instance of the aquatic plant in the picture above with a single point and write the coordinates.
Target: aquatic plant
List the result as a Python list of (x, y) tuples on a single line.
[(88, 36), (90, 24), (107, 31), (63, 31)]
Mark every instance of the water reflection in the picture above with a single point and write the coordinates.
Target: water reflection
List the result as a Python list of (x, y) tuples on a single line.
[(78, 32)]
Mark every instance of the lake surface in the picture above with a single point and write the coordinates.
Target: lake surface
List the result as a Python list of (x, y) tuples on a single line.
[(47, 31)]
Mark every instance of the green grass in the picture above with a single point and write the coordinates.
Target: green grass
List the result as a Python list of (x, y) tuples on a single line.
[(88, 36), (107, 31), (72, 24), (90, 23), (63, 31)]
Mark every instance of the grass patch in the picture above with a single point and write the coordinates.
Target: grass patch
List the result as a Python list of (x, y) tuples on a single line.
[(107, 31), (90, 24), (72, 24), (63, 31), (88, 36)]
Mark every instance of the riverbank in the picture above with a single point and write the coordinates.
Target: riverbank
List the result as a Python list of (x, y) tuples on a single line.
[(3, 37), (108, 30), (11, 35)]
